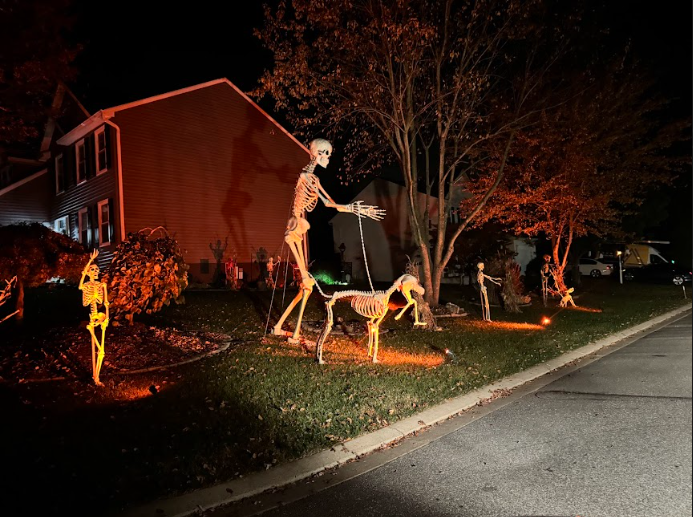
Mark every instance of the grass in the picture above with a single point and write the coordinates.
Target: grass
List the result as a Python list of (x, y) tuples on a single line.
[(265, 402)]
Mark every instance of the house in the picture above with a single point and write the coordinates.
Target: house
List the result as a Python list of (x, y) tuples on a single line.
[(389, 243), (204, 162)]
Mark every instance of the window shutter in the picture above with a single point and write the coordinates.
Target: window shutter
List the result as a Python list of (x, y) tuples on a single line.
[(109, 153), (111, 220), (94, 221), (69, 165), (89, 149)]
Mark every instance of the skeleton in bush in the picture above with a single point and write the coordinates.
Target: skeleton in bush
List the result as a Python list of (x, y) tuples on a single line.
[(307, 194), (480, 278), (94, 293), (374, 306)]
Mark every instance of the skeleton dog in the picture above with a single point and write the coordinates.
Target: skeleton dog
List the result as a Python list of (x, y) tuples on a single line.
[(372, 305)]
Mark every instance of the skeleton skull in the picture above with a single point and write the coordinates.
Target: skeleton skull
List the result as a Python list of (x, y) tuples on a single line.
[(321, 150)]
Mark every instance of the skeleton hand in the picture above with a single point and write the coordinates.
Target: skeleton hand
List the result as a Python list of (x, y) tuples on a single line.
[(370, 211), (93, 255)]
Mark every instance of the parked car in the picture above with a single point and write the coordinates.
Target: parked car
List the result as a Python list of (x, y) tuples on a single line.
[(661, 273), (594, 268)]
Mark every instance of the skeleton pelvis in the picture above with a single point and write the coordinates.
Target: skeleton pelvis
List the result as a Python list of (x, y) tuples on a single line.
[(297, 226)]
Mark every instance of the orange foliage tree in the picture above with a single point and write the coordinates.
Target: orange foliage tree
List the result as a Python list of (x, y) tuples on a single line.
[(587, 163), (423, 84)]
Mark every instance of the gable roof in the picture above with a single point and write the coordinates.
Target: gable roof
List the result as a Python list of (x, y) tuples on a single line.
[(100, 117)]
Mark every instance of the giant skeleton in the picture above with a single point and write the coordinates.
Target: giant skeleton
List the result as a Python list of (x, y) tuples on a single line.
[(307, 194), (94, 293)]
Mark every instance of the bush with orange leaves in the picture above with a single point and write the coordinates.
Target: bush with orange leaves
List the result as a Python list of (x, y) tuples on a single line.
[(147, 272)]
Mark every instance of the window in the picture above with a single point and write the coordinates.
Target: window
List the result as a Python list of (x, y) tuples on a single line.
[(104, 210), (84, 225), (59, 174), (62, 225), (101, 150), (81, 161), (656, 259)]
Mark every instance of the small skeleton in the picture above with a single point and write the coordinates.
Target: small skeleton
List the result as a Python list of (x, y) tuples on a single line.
[(5, 295), (480, 277), (567, 298), (271, 264), (373, 305), (545, 275), (95, 293), (308, 192)]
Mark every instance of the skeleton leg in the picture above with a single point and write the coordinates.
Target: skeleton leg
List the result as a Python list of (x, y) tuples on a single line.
[(90, 328), (410, 301), (325, 331), (305, 289), (485, 309), (371, 331), (102, 353), (376, 336)]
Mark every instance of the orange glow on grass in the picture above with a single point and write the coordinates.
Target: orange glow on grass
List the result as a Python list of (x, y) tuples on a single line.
[(506, 325), (546, 320), (342, 350), (584, 309)]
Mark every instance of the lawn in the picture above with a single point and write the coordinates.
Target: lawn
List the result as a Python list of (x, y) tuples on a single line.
[(261, 402)]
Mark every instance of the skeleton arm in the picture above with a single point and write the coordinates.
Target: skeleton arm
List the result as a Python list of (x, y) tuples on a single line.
[(493, 279), (370, 211), (93, 255)]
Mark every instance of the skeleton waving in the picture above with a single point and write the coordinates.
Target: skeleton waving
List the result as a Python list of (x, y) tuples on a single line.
[(94, 293), (308, 192)]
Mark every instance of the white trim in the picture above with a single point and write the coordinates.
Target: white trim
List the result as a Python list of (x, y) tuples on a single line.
[(66, 220), (19, 183), (78, 161), (57, 174), (86, 127), (100, 131), (80, 228), (102, 242)]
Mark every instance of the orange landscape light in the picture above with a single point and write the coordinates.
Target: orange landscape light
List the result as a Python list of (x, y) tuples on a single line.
[(546, 320)]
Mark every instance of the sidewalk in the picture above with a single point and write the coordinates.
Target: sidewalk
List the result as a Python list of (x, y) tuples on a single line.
[(257, 483)]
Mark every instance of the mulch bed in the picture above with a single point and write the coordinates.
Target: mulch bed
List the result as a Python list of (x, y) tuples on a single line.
[(66, 351)]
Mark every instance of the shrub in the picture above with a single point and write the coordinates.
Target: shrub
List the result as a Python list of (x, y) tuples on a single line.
[(34, 254), (147, 272)]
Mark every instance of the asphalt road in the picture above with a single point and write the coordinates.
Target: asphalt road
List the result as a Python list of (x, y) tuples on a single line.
[(610, 439)]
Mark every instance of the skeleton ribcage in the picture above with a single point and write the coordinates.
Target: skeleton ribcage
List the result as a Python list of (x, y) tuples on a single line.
[(368, 306), (306, 196), (92, 294)]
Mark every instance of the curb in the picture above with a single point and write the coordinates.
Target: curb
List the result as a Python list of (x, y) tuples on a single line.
[(257, 483)]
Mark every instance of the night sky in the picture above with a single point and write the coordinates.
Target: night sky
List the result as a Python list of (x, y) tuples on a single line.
[(137, 49)]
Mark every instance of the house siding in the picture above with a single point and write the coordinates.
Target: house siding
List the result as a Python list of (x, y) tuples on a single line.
[(87, 194), (208, 165), (29, 202)]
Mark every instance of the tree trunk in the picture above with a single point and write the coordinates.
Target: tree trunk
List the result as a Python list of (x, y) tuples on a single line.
[(19, 305)]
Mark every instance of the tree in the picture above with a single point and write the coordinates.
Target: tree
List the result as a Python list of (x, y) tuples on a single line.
[(147, 272), (35, 254), (35, 57), (426, 84), (588, 163)]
